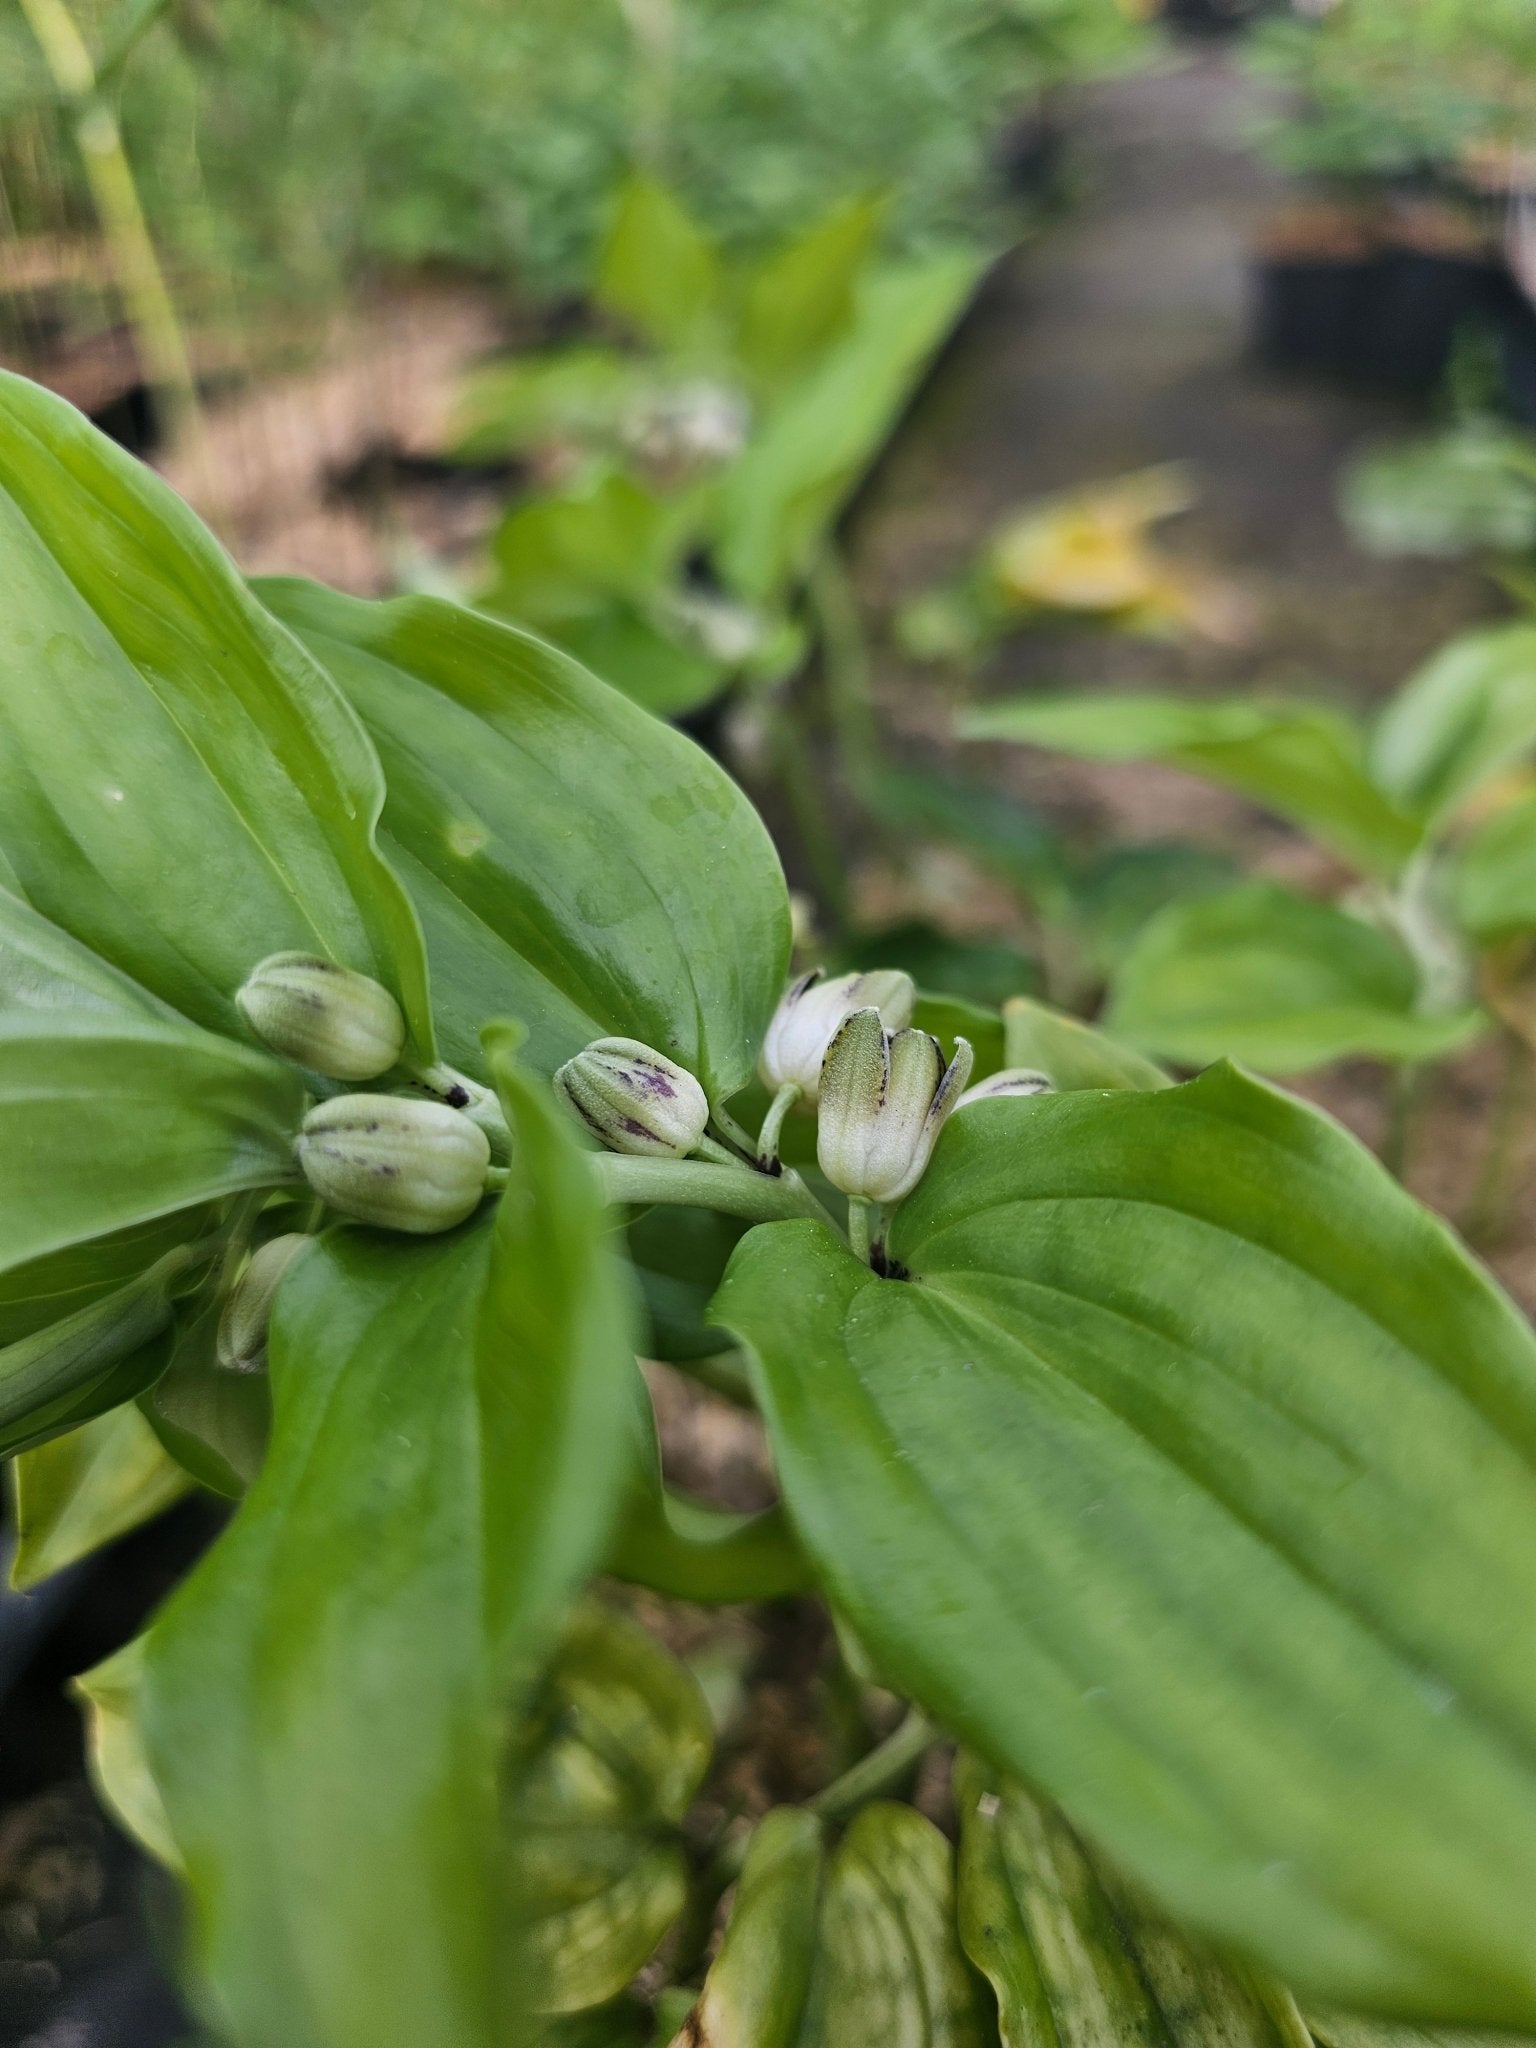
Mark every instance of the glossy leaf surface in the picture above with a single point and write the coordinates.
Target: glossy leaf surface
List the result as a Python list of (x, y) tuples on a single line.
[(1279, 981), (889, 1965), (112, 1122), (1072, 1961), (326, 1696), (180, 785), (594, 1827), (1301, 761), (214, 1423), (575, 862), (756, 1988), (82, 1490), (1130, 1485)]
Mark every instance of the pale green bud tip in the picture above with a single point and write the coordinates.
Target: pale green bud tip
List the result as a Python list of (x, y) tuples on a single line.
[(884, 1099), (241, 1343), (635, 1099), (328, 1018), (1011, 1081), (393, 1161), (812, 1011)]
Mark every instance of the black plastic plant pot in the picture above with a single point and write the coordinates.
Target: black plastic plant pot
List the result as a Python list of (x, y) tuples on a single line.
[(1313, 315), (1419, 302), (1515, 323)]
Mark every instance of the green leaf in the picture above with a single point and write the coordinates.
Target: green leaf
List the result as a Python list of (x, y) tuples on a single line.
[(1493, 881), (112, 1697), (1469, 712), (1184, 1378), (651, 666), (1072, 1958), (46, 1290), (82, 1490), (756, 1987), (601, 1872), (889, 1965), (1280, 981), (566, 556), (326, 1696), (107, 1124), (1303, 762), (657, 270), (213, 1422), (780, 499), (951, 1018), (180, 786), (575, 861), (680, 1256), (802, 297), (1348, 2030), (1072, 1053)]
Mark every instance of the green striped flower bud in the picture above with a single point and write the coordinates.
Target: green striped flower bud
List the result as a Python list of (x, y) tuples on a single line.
[(241, 1344), (328, 1018), (884, 1099), (635, 1099), (393, 1161)]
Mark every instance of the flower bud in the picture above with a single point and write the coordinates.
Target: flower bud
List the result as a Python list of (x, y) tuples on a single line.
[(1011, 1081), (884, 1099), (241, 1344), (395, 1162), (635, 1099), (328, 1018), (810, 1014)]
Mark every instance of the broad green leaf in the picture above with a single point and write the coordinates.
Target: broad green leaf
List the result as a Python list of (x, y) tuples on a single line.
[(564, 558), (1305, 763), (1124, 887), (1279, 981), (754, 1994), (802, 297), (889, 1967), (1184, 1378), (651, 666), (43, 968), (1469, 712), (575, 862), (214, 1423), (48, 1289), (601, 1873), (1348, 2030), (111, 1695), (107, 1124), (780, 499), (657, 270), (680, 1256), (326, 1696), (1072, 1959), (1072, 1053), (82, 1490), (180, 785), (1493, 881)]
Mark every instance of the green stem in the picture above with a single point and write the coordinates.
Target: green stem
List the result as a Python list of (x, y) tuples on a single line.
[(687, 1551), (1404, 1101), (773, 1124), (1485, 1220), (808, 807), (845, 672), (151, 312), (858, 1227), (741, 1139), (708, 1148), (733, 1190), (881, 1771)]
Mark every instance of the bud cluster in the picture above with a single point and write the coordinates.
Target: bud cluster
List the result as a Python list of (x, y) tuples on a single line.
[(634, 1099), (885, 1097), (330, 1019)]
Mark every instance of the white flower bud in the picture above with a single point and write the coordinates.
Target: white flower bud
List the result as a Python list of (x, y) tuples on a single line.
[(241, 1343), (635, 1099), (1011, 1081), (884, 1099), (328, 1018), (812, 1011), (393, 1161)]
